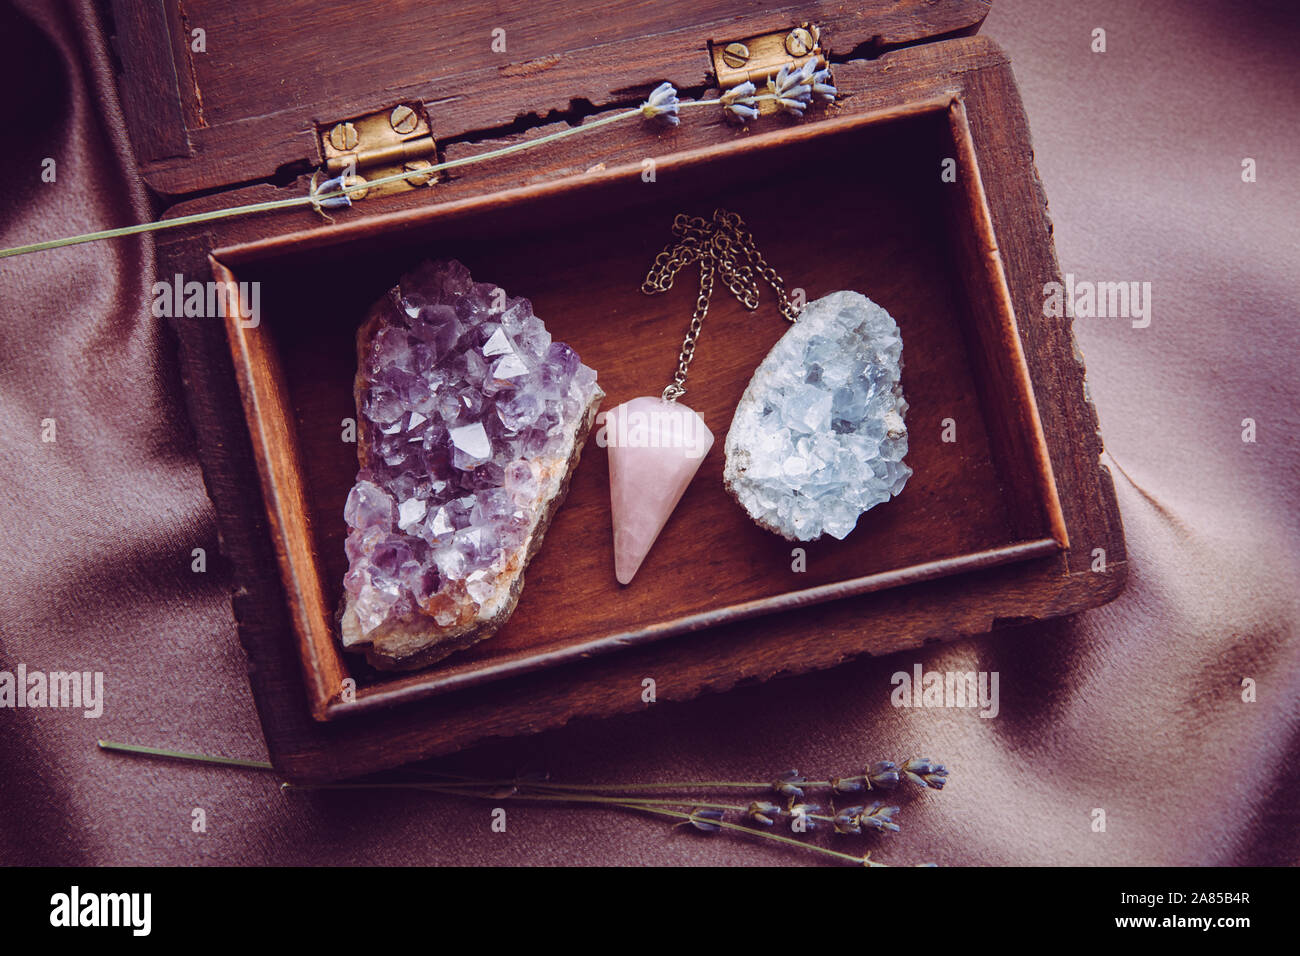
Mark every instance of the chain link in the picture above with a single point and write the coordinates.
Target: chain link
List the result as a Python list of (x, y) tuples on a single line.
[(724, 248)]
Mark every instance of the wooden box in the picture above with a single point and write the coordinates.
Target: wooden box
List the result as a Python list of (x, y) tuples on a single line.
[(916, 187)]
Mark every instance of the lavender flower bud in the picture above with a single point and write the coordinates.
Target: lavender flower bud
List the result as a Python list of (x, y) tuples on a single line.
[(739, 102), (705, 819), (879, 817), (846, 821), (883, 775), (331, 202), (788, 785), (662, 102), (847, 784), (822, 88), (761, 811), (793, 87), (926, 773)]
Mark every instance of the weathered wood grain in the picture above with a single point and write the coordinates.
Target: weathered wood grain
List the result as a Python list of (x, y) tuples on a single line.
[(252, 101)]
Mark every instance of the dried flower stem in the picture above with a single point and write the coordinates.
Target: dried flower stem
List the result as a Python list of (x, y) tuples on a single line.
[(551, 793), (675, 786), (181, 755), (314, 199), (457, 780), (660, 807), (582, 793), (546, 793)]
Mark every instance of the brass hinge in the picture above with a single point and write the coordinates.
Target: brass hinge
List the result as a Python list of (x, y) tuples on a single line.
[(381, 144), (757, 59)]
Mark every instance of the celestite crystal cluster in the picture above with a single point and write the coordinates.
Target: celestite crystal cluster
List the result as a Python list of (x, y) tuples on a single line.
[(471, 419), (818, 437)]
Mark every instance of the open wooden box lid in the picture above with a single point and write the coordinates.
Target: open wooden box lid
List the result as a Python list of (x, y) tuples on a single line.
[(251, 106)]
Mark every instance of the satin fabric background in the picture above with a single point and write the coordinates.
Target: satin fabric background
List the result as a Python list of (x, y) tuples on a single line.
[(1135, 708)]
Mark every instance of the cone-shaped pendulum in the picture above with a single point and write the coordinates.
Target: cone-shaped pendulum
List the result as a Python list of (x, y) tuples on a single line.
[(655, 448)]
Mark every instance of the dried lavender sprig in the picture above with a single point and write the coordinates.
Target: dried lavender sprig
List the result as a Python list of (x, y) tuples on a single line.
[(856, 820), (809, 812), (921, 770), (762, 812), (546, 793), (465, 789), (882, 774), (322, 198), (645, 806), (335, 193)]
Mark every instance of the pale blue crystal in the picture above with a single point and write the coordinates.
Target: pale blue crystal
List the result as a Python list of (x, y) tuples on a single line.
[(819, 435)]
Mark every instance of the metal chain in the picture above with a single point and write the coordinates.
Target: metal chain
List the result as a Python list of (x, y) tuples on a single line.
[(723, 247)]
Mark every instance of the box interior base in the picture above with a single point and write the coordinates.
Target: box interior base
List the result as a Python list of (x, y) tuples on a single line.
[(864, 208)]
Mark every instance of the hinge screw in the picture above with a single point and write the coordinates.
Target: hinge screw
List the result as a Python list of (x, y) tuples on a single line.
[(735, 54), (343, 136), (358, 181), (800, 42), (403, 119), (412, 166)]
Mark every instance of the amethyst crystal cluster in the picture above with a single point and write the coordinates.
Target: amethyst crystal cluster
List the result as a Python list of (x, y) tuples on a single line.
[(471, 420)]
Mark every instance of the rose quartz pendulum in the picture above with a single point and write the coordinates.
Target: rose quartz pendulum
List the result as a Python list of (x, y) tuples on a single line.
[(656, 445), (655, 448)]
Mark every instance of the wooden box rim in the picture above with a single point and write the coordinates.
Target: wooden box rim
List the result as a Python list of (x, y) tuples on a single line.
[(280, 464)]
